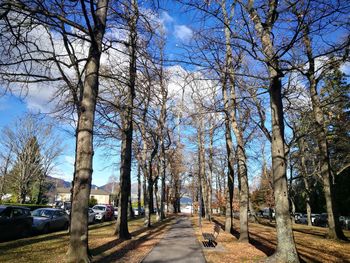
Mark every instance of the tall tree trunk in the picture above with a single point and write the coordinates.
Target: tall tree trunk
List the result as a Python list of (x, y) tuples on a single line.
[(285, 251), (232, 110), (147, 220), (334, 228), (139, 188), (150, 193), (127, 129), (163, 173), (131, 210), (158, 218), (305, 179), (40, 191), (230, 178), (243, 187), (210, 164), (163, 116), (230, 159), (201, 168), (78, 244)]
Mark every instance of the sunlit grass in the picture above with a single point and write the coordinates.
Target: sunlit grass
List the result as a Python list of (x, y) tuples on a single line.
[(310, 241), (52, 247)]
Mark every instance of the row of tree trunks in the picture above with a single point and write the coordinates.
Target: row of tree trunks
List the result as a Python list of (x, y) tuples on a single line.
[(237, 129), (334, 228)]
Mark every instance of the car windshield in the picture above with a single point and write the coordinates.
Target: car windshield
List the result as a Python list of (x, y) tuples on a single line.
[(98, 207), (43, 213)]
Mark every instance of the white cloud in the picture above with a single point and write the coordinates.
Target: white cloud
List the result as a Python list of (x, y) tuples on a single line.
[(166, 18), (345, 68), (69, 159), (183, 32)]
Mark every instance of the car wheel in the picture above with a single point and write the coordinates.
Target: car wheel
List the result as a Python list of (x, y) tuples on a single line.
[(66, 225), (103, 219)]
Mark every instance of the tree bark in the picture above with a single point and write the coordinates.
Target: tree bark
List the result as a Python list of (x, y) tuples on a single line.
[(305, 179), (237, 130), (78, 244), (230, 179), (210, 165), (139, 188), (127, 129), (286, 250)]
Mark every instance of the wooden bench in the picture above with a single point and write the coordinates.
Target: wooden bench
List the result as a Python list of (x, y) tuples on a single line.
[(211, 237)]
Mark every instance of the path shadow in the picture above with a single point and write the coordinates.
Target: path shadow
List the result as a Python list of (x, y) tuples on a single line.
[(116, 255)]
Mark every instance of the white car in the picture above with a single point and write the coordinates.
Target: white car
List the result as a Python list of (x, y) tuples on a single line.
[(91, 216)]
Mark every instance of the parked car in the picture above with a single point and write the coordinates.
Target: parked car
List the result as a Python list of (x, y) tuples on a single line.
[(137, 212), (49, 219), (297, 216), (313, 217), (15, 222), (302, 219), (91, 216), (103, 212), (115, 212), (345, 222), (66, 206), (268, 212), (321, 220)]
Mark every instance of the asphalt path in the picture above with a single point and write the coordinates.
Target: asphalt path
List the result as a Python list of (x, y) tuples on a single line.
[(178, 245)]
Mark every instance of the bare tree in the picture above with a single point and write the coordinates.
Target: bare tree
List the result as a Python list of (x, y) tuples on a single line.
[(264, 26), (313, 23), (34, 149), (89, 26)]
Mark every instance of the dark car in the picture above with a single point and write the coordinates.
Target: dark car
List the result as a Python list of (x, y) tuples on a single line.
[(49, 219), (15, 221), (321, 220)]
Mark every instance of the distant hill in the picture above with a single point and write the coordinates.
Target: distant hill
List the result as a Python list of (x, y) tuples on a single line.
[(57, 182), (110, 187)]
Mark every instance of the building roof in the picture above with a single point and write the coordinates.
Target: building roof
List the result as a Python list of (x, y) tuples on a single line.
[(62, 190)]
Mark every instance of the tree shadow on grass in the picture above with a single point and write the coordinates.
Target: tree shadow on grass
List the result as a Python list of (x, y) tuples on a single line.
[(312, 232), (233, 231), (307, 252), (31, 240), (99, 252)]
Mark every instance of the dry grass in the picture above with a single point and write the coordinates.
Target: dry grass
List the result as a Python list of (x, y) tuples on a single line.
[(228, 248), (311, 244), (104, 246)]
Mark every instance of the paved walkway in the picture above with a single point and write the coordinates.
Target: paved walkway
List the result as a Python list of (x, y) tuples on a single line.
[(178, 245)]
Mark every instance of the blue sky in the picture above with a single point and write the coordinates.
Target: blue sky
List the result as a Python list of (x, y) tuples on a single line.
[(11, 107), (178, 27)]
